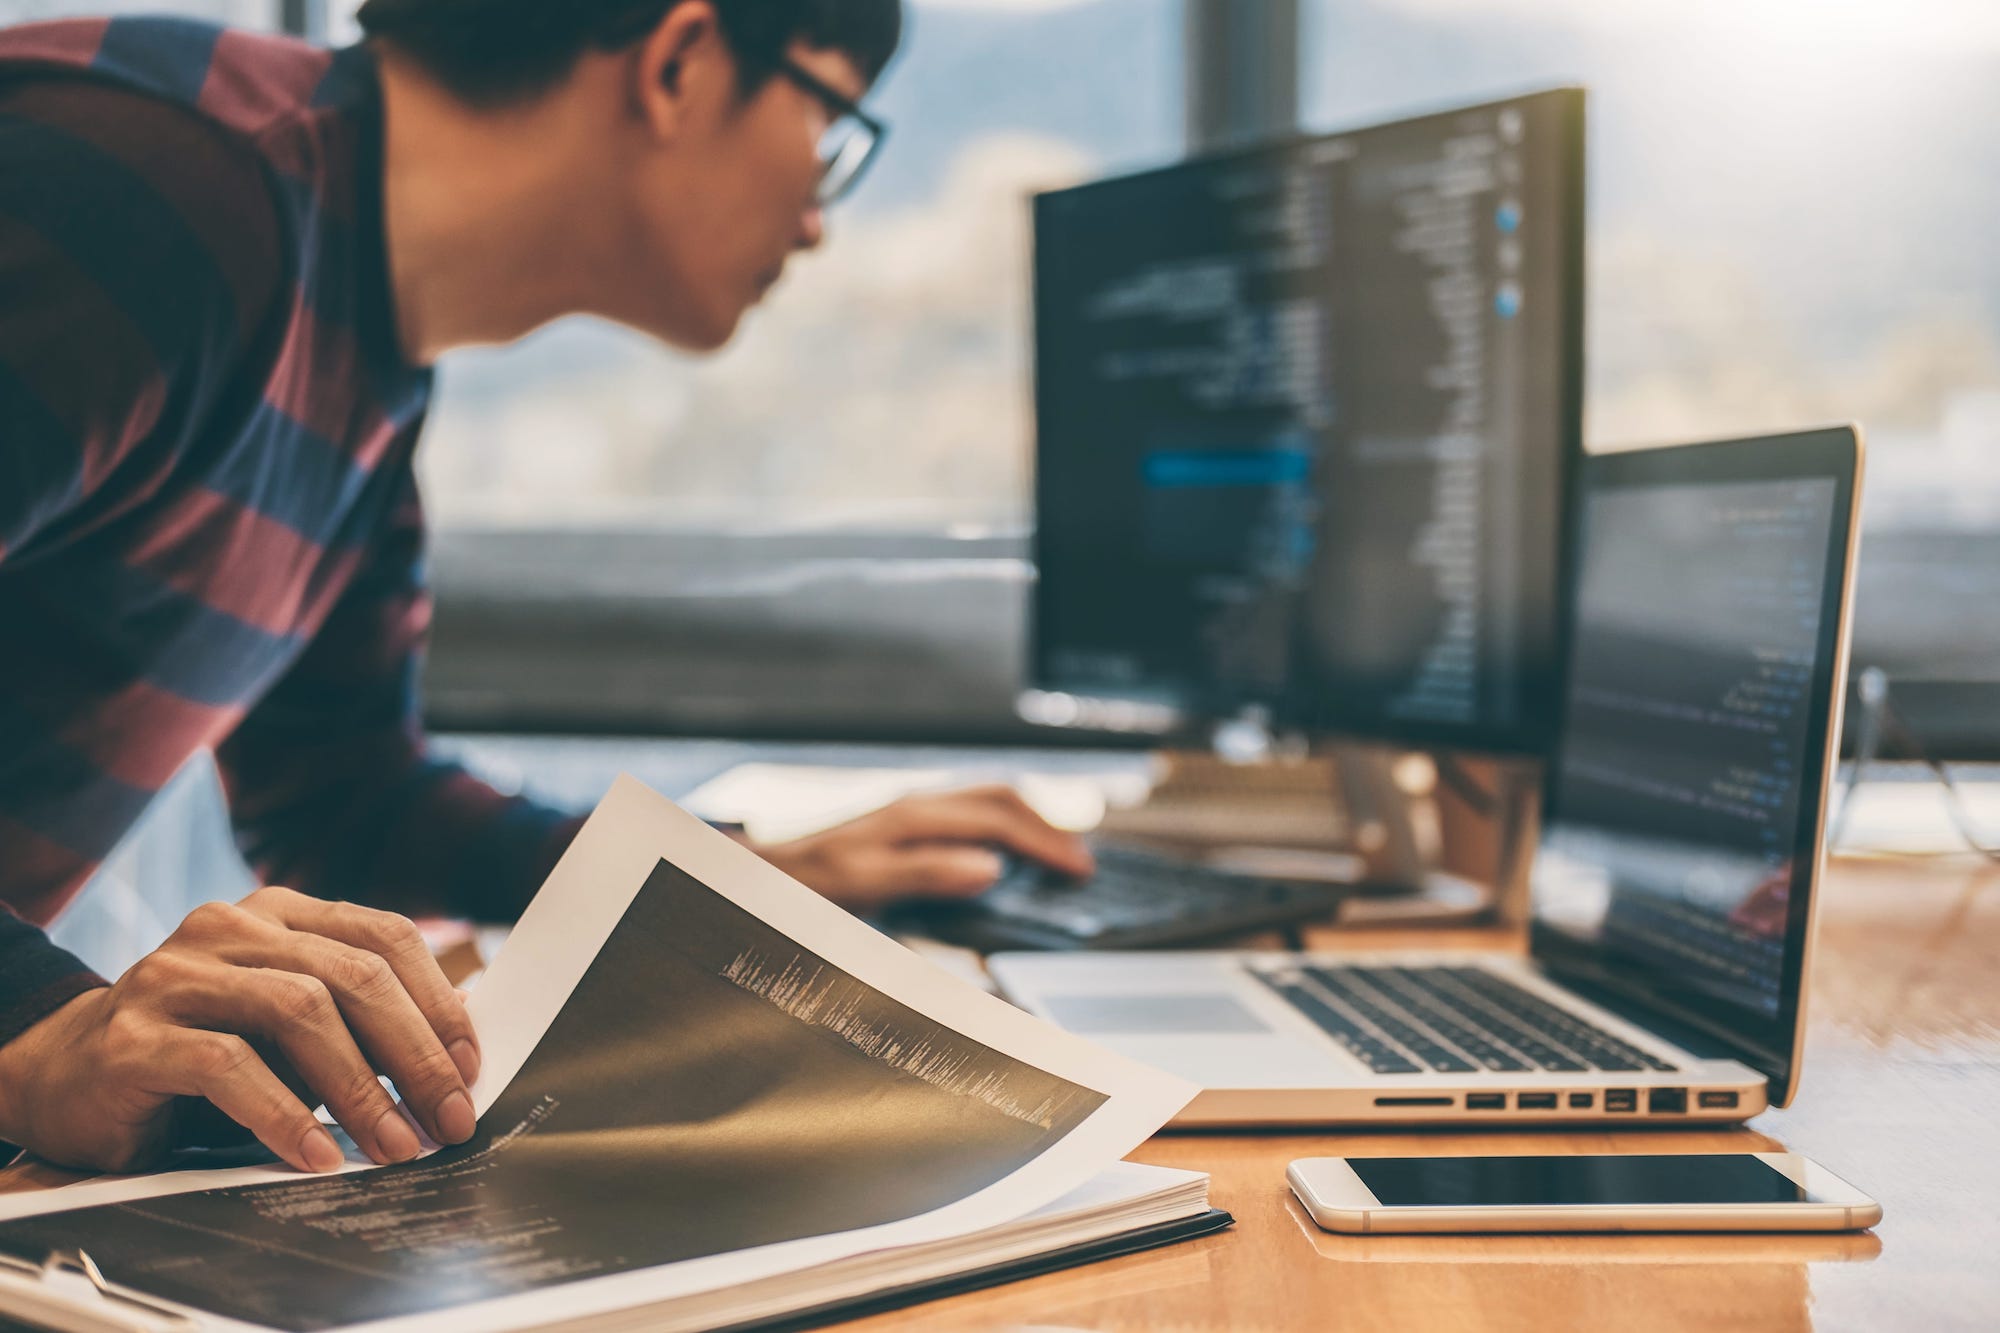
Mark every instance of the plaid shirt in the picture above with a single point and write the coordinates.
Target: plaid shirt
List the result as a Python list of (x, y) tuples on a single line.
[(210, 535)]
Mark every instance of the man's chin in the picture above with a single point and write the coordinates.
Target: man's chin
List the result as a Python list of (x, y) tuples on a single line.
[(714, 340), (697, 336)]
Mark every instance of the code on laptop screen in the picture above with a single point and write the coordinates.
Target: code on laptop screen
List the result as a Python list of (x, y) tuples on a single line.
[(1676, 792)]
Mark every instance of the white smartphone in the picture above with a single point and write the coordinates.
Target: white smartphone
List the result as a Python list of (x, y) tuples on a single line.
[(1764, 1191)]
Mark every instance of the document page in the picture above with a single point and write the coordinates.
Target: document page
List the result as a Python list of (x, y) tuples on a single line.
[(697, 1073)]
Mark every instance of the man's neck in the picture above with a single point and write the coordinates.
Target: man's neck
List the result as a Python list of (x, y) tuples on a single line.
[(486, 240)]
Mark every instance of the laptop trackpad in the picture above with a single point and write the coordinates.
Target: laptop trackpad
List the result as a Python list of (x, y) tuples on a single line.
[(1210, 1038), (1150, 1015)]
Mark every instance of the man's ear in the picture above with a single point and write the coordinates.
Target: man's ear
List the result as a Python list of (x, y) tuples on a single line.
[(682, 69)]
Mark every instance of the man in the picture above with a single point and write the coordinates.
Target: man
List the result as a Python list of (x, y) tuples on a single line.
[(227, 263)]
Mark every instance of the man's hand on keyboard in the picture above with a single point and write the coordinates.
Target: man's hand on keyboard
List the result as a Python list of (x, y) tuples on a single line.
[(949, 845)]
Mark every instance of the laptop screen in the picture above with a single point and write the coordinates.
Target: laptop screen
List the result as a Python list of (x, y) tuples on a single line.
[(1684, 803)]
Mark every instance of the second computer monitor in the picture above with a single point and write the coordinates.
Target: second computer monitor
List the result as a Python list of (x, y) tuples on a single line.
[(1305, 417)]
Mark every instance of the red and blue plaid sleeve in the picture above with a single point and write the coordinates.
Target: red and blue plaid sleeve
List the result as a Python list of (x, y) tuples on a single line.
[(139, 252), (331, 789)]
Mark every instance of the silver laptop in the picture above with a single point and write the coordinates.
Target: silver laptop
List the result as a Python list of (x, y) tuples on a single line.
[(1707, 601)]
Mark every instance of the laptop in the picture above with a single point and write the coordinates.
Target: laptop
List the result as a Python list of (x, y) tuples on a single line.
[(1706, 600)]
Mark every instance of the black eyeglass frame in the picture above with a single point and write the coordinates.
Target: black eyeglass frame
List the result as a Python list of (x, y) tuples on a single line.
[(840, 105)]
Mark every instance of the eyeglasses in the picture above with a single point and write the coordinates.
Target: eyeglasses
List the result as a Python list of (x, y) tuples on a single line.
[(850, 140)]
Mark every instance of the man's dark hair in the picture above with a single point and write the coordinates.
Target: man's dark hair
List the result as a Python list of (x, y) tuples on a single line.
[(495, 52)]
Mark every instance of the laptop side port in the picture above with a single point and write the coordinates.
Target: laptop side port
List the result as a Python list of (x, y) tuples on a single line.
[(1413, 1101), (1485, 1101), (1667, 1101), (1582, 1101), (1719, 1101), (1535, 1101), (1621, 1099)]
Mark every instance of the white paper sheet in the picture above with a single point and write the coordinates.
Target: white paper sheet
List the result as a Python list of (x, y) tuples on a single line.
[(780, 802)]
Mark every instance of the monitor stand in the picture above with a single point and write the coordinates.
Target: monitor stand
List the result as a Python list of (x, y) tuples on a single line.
[(1416, 849)]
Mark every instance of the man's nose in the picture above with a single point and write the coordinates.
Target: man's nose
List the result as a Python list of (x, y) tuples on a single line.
[(812, 229)]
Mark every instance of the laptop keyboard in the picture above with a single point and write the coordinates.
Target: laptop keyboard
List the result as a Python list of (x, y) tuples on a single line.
[(1454, 1020)]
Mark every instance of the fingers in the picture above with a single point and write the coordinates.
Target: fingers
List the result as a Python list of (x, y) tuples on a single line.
[(296, 1011), (422, 1050), (937, 870), (366, 1000), (397, 941), (996, 815), (945, 845), (226, 1072)]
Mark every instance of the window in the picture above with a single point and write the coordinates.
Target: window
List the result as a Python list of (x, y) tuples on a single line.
[(1791, 211), (1791, 207), (242, 13), (886, 379), (821, 530)]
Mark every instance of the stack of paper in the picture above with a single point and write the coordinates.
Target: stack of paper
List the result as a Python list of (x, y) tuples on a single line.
[(708, 1097), (1131, 1206)]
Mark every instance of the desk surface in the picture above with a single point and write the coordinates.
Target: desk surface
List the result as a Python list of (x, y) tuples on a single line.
[(1901, 1086)]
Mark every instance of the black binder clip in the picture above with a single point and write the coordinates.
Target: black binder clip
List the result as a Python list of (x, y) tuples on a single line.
[(79, 1261)]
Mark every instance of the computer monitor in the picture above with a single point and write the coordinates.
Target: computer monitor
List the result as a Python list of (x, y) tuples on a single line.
[(1304, 417)]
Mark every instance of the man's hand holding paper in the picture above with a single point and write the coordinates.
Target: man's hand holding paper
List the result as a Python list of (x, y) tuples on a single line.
[(260, 1010)]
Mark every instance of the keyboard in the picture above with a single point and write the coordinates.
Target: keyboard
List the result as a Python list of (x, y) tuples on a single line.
[(1453, 1020), (1136, 900)]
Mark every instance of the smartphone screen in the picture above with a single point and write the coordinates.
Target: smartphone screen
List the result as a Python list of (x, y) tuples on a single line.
[(1468, 1182)]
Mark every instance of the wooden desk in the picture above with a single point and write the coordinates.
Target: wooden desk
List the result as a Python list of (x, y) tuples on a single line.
[(1900, 1094), (1901, 1088)]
